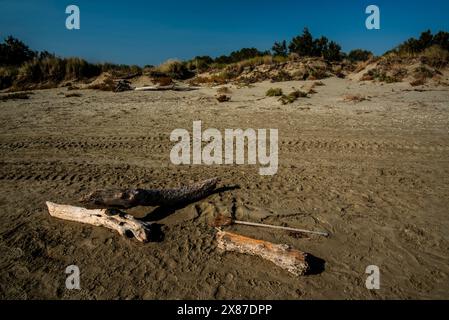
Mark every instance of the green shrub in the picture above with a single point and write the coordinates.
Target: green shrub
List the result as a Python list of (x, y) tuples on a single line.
[(29, 72), (7, 77), (280, 49), (174, 69), (305, 46), (240, 55), (14, 52), (76, 68), (200, 63), (359, 55), (435, 56), (317, 74), (426, 40), (423, 72), (281, 76)]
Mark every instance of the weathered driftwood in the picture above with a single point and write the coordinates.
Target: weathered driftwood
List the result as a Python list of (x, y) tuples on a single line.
[(165, 88), (285, 257), (129, 198), (123, 223)]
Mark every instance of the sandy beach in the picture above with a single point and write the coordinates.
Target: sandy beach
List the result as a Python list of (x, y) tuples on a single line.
[(374, 173)]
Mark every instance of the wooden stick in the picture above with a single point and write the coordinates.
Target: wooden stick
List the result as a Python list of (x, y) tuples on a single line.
[(128, 198), (321, 233), (292, 260), (121, 222), (224, 221), (165, 88)]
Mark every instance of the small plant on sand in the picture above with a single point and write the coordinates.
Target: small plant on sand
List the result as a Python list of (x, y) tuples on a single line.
[(274, 92), (317, 74), (292, 97), (311, 91), (353, 98), (418, 82), (424, 73), (382, 76), (223, 98)]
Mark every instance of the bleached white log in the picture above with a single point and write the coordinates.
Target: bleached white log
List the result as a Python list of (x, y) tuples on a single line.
[(119, 221)]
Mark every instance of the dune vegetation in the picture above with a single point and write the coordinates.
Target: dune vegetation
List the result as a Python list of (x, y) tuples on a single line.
[(304, 57)]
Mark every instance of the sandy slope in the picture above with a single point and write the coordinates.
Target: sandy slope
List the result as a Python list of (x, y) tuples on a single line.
[(375, 174)]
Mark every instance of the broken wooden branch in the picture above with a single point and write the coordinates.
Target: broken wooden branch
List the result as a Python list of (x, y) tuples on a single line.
[(221, 220), (165, 88), (292, 260), (129, 198), (123, 223)]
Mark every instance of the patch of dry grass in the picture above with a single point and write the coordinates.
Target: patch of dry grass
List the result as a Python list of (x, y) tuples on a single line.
[(418, 82), (274, 92), (292, 97), (107, 85), (354, 98), (214, 79)]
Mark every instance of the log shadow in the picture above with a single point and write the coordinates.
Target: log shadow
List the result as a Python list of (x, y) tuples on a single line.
[(162, 212), (316, 265), (156, 233)]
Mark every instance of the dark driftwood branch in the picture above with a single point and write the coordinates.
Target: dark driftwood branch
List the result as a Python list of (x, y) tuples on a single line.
[(129, 198)]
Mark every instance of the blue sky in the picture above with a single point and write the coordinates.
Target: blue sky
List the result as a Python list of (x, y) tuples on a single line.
[(149, 32)]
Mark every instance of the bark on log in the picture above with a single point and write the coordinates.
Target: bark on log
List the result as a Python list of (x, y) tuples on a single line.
[(129, 198), (283, 256), (123, 223)]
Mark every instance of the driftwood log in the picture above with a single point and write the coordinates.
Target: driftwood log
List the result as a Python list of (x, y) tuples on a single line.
[(292, 260), (123, 223), (165, 88), (129, 198)]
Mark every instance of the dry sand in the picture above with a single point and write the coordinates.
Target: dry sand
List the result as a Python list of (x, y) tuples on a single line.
[(374, 173)]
